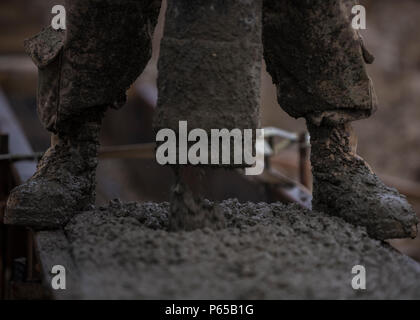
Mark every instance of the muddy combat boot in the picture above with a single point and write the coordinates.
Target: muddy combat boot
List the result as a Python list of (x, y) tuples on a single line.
[(83, 70), (317, 61), (345, 186), (64, 182)]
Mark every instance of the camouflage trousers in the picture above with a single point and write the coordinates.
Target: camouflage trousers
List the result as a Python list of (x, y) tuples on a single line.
[(313, 54), (90, 64)]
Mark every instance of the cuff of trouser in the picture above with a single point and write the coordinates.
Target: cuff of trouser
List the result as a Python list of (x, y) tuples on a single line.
[(336, 117)]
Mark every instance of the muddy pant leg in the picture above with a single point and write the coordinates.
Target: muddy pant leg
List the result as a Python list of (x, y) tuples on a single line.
[(317, 61), (104, 48), (82, 71)]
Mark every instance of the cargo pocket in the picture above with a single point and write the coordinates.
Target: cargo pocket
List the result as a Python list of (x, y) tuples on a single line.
[(45, 50)]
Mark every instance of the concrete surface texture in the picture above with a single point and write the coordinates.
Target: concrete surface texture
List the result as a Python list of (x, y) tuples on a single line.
[(266, 251)]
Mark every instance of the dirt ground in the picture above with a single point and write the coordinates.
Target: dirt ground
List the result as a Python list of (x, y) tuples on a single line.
[(265, 252)]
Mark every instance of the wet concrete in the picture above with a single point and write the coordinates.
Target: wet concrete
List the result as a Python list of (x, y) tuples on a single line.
[(189, 210), (265, 252), (210, 56)]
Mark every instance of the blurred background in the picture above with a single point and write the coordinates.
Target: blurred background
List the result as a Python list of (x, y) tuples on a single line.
[(389, 140)]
